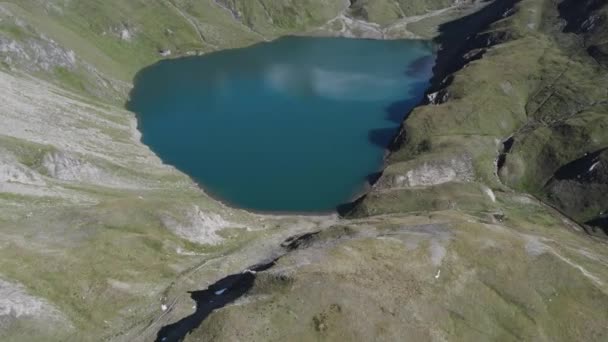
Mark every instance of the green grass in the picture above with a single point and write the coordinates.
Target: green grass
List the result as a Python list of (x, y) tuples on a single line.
[(74, 255), (538, 86)]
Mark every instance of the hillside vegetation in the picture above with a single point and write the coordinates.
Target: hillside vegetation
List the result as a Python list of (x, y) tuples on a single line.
[(477, 229)]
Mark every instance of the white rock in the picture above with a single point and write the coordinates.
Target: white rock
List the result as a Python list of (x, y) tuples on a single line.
[(594, 166), (125, 35), (490, 193), (438, 172), (17, 302), (199, 226), (13, 172)]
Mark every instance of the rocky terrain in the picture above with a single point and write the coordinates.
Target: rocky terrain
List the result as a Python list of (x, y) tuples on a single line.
[(487, 222)]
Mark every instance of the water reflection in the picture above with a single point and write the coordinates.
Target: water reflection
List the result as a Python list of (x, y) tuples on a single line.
[(336, 85)]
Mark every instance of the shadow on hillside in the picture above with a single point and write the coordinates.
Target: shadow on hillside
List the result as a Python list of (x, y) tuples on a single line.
[(221, 293)]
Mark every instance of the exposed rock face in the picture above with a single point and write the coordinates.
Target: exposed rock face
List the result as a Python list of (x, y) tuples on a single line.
[(438, 97), (199, 226), (12, 171), (43, 54), (427, 173), (34, 53), (16, 303), (125, 34), (66, 167)]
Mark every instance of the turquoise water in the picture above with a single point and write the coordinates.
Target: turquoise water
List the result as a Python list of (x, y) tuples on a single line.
[(296, 125)]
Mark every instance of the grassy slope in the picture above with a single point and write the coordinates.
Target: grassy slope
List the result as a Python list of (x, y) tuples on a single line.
[(567, 121), (533, 83), (485, 104), (102, 255), (435, 253), (388, 11), (105, 258), (441, 276)]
